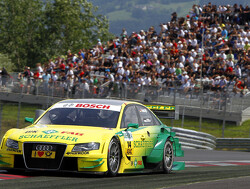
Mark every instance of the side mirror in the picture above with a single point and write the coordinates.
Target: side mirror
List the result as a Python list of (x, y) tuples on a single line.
[(28, 119), (133, 125)]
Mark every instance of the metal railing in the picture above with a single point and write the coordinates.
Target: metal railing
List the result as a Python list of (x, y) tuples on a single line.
[(194, 139), (161, 93), (242, 144)]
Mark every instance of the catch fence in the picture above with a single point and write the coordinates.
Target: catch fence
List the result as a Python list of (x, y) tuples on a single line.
[(222, 105)]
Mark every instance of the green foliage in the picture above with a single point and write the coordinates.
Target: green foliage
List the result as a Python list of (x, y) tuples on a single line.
[(39, 29), (6, 62)]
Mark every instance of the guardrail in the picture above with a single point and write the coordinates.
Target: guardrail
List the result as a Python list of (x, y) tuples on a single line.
[(242, 144), (195, 139)]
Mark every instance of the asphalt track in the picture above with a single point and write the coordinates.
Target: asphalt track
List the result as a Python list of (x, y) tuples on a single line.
[(201, 177)]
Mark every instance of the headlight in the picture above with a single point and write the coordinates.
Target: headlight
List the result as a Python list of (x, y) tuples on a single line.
[(12, 143), (86, 147)]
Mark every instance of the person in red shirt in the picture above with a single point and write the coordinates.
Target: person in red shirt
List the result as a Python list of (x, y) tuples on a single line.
[(62, 66), (237, 86), (229, 72)]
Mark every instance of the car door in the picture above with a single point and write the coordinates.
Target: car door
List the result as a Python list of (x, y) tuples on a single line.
[(151, 127), (133, 137)]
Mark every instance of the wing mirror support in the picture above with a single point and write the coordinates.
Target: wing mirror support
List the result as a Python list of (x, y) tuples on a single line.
[(38, 114), (133, 125), (28, 119)]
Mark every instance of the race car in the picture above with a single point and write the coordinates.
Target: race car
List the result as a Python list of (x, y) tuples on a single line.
[(93, 135)]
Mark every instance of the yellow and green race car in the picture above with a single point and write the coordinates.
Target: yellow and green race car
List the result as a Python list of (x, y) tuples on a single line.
[(93, 135)]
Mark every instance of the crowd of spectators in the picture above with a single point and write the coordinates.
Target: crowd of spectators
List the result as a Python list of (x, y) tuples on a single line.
[(211, 42)]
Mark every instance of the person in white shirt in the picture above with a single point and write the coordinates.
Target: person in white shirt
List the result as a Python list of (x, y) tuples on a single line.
[(182, 58), (180, 64), (54, 77), (184, 77), (223, 55), (84, 87), (193, 53), (179, 45), (190, 59), (194, 42), (238, 71), (172, 69), (185, 86), (230, 62), (120, 70), (214, 30), (223, 83), (111, 55), (147, 80)]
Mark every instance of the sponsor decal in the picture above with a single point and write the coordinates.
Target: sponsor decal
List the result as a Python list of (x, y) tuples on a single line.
[(72, 133), (44, 147), (98, 106), (43, 154), (139, 162), (68, 105), (78, 153), (143, 144), (135, 163), (159, 107), (129, 144), (50, 131), (53, 137), (132, 163), (13, 150), (129, 151), (30, 131), (127, 135), (87, 106)]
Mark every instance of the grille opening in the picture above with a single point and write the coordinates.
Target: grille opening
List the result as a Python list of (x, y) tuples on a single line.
[(19, 162), (43, 163), (69, 164)]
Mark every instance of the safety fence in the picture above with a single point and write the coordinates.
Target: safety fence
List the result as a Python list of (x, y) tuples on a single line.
[(242, 144), (194, 139), (165, 91)]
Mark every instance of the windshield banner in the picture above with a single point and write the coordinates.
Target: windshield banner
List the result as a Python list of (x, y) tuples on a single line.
[(87, 106)]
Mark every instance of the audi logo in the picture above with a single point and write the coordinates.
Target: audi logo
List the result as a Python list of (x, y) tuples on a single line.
[(44, 147)]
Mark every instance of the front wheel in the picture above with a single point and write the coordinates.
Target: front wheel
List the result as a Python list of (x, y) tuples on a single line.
[(168, 157), (114, 157)]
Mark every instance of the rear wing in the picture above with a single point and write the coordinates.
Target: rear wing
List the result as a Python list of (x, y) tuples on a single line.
[(164, 111)]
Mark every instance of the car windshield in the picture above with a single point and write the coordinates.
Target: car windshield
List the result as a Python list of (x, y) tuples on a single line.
[(81, 117)]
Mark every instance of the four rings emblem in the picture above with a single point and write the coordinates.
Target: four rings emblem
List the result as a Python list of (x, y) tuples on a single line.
[(44, 148)]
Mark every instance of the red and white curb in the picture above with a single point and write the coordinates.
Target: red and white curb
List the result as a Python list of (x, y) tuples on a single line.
[(216, 163), (7, 176), (10, 176)]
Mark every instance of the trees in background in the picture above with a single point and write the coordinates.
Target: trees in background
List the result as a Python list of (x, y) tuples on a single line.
[(34, 31)]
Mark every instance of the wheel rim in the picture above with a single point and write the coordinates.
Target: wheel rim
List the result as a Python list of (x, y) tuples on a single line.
[(114, 157), (168, 155)]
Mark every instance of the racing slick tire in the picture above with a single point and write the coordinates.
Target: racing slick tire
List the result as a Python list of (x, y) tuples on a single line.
[(114, 157), (168, 157)]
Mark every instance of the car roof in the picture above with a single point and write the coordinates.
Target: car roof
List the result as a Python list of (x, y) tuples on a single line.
[(97, 101)]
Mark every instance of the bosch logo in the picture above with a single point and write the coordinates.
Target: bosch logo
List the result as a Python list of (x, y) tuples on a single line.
[(44, 147)]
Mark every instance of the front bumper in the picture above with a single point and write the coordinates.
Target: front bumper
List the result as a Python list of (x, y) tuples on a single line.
[(79, 164)]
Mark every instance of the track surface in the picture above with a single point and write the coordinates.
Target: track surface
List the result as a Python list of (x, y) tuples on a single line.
[(200, 177)]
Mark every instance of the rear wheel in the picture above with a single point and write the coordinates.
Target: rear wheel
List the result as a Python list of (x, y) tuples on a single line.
[(114, 157), (168, 157)]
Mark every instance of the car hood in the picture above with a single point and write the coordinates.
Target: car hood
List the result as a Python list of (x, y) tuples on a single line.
[(61, 134)]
